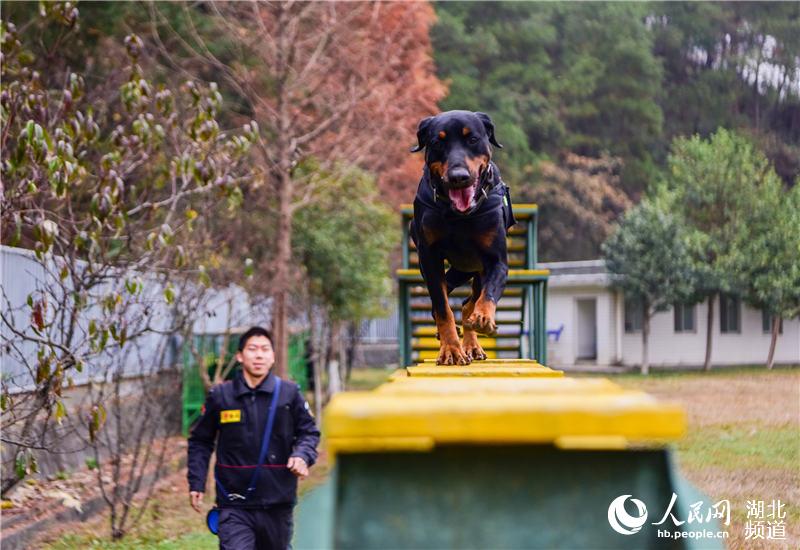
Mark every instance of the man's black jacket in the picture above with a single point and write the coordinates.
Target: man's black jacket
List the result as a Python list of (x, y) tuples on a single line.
[(294, 433)]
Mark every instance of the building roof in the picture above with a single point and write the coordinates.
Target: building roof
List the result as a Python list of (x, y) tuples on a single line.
[(583, 273)]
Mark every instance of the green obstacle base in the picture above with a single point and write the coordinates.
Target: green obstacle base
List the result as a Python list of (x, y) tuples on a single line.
[(494, 497)]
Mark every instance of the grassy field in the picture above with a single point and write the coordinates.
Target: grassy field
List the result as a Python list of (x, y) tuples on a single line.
[(743, 444), (743, 441)]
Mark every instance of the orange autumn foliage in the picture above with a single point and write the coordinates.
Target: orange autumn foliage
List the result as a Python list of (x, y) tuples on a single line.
[(369, 66)]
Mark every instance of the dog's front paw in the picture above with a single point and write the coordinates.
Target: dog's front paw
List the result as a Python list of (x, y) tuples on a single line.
[(481, 323), (472, 348), (452, 354)]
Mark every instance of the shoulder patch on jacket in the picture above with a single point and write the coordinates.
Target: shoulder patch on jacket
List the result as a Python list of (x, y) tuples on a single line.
[(232, 415)]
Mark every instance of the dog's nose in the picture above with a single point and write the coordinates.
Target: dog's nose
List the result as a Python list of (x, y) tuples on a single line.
[(458, 175)]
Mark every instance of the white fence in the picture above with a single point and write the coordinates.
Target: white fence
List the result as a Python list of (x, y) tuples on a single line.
[(380, 331), (23, 275)]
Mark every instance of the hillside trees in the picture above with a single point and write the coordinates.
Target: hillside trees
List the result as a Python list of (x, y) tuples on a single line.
[(577, 77), (581, 198), (732, 65), (621, 80)]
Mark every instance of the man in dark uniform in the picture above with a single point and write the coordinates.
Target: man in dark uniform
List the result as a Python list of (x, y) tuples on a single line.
[(235, 416)]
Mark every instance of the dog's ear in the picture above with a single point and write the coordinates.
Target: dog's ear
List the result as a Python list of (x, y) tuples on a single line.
[(489, 126), (423, 134)]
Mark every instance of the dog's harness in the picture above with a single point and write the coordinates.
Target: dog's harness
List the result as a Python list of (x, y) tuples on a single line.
[(488, 187), (482, 193)]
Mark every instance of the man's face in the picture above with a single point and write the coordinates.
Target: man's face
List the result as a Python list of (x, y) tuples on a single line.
[(257, 357)]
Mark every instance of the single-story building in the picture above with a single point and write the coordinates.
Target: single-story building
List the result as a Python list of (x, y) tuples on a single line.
[(590, 322)]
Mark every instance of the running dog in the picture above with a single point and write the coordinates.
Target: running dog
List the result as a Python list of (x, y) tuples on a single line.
[(462, 212)]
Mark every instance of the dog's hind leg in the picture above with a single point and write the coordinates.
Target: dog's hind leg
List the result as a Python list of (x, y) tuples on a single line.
[(492, 284), (470, 344)]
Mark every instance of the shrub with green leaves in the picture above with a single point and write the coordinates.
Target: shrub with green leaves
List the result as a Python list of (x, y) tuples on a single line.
[(649, 254)]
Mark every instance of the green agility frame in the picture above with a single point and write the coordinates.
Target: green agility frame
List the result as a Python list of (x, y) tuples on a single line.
[(526, 284)]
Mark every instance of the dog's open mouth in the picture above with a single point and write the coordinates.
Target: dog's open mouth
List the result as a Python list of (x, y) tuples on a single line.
[(462, 198)]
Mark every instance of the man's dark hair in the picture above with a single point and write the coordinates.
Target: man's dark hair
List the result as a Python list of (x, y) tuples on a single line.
[(253, 331)]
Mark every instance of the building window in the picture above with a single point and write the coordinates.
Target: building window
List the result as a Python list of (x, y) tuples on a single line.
[(729, 307), (684, 318), (633, 315), (766, 323)]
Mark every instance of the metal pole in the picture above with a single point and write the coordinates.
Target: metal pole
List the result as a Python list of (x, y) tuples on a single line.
[(402, 326), (530, 309)]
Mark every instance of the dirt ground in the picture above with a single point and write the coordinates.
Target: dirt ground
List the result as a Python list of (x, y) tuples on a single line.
[(743, 441), (168, 524)]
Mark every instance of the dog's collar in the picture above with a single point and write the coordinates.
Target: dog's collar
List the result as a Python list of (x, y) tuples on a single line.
[(482, 193)]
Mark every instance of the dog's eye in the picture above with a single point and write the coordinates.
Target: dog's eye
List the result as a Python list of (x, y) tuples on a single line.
[(473, 140)]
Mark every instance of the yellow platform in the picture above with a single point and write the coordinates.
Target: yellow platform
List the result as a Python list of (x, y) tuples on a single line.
[(494, 362), (498, 386), (399, 374), (483, 369), (385, 421)]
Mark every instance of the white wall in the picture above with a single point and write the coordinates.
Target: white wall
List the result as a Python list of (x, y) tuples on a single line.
[(667, 348), (750, 346), (22, 274), (562, 308)]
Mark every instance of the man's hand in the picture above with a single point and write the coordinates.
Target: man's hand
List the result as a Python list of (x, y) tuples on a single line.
[(298, 466), (196, 500)]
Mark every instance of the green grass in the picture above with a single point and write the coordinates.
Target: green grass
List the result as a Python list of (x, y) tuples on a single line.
[(366, 379), (155, 541), (687, 374), (734, 447)]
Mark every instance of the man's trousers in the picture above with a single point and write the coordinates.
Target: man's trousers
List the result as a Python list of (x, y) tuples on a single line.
[(257, 529)]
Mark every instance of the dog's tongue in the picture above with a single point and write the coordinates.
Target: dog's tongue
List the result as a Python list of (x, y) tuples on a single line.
[(461, 198)]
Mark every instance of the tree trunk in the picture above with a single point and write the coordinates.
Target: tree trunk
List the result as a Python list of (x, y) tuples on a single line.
[(317, 342), (709, 332), (334, 380), (318, 387), (343, 355), (280, 320), (222, 357), (645, 338), (352, 348), (776, 327)]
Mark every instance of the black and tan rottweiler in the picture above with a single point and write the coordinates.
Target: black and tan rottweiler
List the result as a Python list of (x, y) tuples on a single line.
[(461, 214)]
